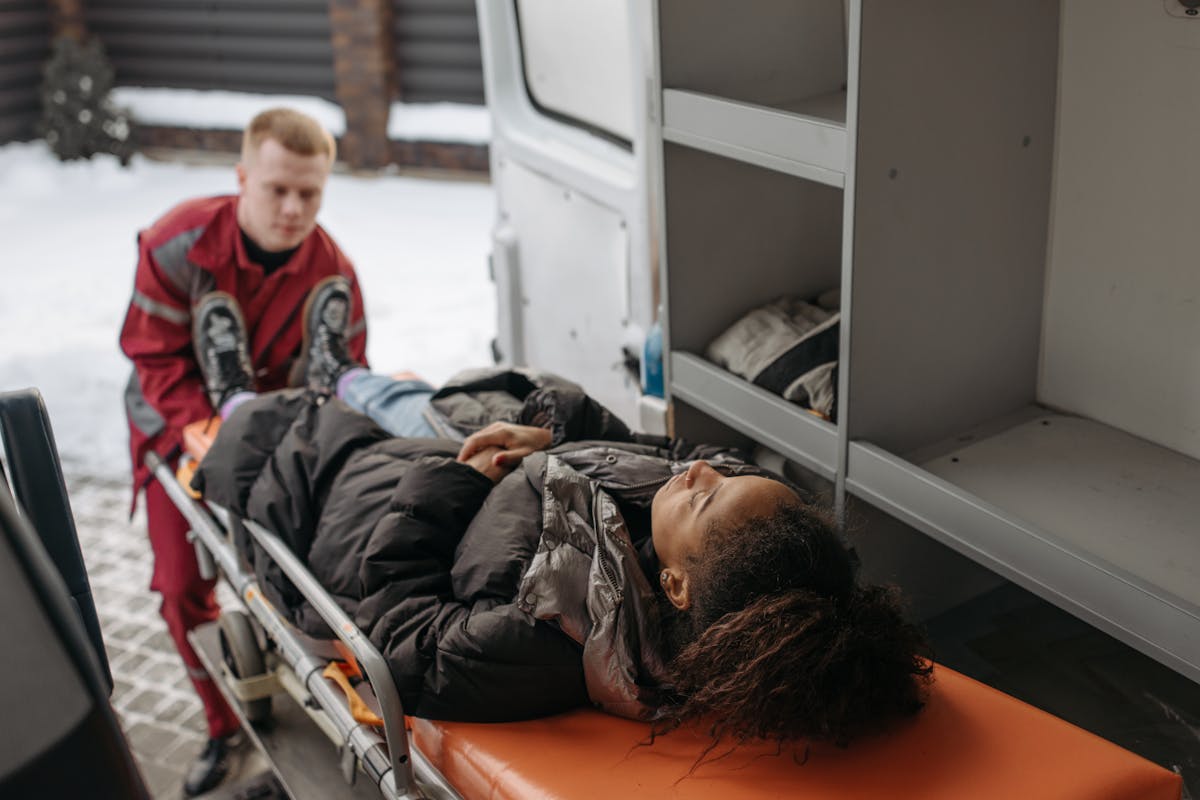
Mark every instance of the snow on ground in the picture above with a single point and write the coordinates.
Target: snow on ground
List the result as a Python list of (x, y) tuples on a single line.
[(216, 109), (420, 247), (211, 109)]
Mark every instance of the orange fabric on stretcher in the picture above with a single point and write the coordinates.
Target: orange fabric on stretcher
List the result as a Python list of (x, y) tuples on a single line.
[(970, 741), (198, 436), (340, 673)]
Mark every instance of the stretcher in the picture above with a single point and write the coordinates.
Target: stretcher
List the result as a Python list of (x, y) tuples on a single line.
[(969, 741)]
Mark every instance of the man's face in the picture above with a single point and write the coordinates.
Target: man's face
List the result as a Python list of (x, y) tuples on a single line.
[(280, 195)]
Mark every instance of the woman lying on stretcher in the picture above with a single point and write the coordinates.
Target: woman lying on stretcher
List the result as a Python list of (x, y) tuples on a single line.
[(556, 560)]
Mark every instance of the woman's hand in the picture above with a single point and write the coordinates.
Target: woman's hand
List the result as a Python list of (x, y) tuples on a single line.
[(485, 461), (509, 444)]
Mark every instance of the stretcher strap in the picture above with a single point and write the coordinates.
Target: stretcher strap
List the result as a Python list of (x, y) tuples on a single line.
[(199, 436), (187, 468), (351, 667), (337, 672)]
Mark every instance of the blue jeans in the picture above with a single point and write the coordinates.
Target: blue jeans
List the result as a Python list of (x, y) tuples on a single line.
[(397, 406)]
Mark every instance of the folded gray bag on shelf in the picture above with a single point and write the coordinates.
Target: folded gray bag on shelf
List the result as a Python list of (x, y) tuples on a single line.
[(789, 347)]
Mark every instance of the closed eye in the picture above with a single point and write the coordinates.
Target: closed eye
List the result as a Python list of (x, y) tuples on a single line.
[(701, 493), (708, 496)]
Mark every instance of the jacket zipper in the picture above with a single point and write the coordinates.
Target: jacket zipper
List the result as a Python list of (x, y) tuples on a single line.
[(601, 555)]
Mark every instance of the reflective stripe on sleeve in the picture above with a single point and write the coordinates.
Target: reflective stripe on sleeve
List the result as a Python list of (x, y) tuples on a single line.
[(171, 257), (141, 413), (163, 311)]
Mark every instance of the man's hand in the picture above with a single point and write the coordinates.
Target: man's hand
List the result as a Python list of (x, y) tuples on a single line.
[(509, 444), (485, 461)]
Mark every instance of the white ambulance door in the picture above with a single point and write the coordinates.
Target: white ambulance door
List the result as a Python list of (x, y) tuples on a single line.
[(571, 255)]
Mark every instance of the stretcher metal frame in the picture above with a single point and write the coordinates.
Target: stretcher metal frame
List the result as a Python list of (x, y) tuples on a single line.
[(391, 762)]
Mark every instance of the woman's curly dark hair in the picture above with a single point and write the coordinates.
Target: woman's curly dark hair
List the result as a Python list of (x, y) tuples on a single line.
[(781, 643)]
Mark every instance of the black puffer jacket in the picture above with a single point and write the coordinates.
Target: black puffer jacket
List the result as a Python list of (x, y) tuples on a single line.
[(467, 588)]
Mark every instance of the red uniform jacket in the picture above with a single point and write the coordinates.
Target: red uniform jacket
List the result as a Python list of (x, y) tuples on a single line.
[(194, 249)]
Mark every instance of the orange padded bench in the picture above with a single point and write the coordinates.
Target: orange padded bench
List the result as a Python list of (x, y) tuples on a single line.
[(970, 742)]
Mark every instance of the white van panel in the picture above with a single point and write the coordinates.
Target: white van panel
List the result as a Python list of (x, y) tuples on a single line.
[(571, 272), (579, 60), (572, 248), (1121, 338)]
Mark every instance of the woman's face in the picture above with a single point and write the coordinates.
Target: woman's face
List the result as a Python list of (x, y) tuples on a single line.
[(694, 502)]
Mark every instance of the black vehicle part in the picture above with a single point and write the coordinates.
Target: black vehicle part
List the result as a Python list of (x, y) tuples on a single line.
[(61, 737), (40, 492)]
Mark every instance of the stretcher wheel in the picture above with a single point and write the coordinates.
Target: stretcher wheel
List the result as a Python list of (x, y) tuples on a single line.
[(244, 657)]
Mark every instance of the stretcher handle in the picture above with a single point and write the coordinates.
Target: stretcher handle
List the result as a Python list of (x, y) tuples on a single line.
[(406, 762), (203, 527), (372, 662)]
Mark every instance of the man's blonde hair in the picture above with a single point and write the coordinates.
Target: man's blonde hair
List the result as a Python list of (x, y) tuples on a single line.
[(297, 132)]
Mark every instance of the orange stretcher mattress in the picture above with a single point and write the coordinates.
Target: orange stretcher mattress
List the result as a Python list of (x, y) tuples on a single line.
[(970, 742)]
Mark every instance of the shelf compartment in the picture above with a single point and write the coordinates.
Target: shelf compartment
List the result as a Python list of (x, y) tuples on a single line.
[(1093, 519), (806, 138), (768, 419)]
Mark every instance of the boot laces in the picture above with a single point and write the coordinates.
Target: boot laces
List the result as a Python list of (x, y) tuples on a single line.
[(226, 355)]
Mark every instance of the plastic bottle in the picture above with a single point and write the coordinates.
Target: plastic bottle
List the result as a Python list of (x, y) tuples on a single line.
[(652, 360)]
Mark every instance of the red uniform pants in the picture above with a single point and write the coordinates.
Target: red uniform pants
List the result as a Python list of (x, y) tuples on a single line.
[(187, 600)]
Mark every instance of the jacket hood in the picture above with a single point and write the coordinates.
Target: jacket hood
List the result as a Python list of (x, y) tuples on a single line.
[(585, 577)]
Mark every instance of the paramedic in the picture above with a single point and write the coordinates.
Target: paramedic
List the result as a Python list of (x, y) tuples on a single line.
[(263, 247), (556, 560)]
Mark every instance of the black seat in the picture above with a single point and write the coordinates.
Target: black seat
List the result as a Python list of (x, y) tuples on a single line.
[(59, 736)]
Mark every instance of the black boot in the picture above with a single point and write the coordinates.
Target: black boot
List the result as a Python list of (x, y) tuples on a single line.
[(326, 353), (211, 766), (219, 336)]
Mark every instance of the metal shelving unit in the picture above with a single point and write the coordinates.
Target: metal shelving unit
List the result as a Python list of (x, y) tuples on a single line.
[(959, 257), (805, 138), (993, 503), (764, 417)]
